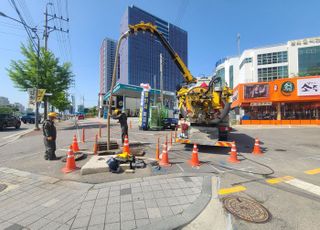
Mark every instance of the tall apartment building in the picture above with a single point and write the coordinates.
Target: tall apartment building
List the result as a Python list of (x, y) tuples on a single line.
[(107, 58), (4, 101), (140, 55), (107, 55), (291, 59)]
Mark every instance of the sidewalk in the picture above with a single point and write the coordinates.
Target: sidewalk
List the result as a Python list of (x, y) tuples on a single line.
[(32, 201)]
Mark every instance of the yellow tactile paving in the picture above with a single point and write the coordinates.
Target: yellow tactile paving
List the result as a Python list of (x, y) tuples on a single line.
[(279, 179), (312, 171), (234, 189)]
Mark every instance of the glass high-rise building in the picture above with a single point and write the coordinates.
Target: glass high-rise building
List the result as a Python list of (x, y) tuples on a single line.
[(140, 54), (107, 55)]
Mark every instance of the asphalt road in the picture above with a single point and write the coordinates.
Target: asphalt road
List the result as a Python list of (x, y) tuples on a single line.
[(288, 153)]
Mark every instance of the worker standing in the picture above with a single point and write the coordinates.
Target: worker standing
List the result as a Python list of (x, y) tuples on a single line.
[(50, 135), (122, 117)]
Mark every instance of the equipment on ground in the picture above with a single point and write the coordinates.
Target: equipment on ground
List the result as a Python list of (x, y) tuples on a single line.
[(203, 102)]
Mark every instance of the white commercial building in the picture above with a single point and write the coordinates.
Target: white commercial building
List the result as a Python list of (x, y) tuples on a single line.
[(294, 58), (4, 101)]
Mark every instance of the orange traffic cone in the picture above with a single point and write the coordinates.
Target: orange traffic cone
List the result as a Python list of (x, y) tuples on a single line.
[(256, 148), (165, 159), (157, 149), (233, 154), (95, 146), (71, 163), (194, 158), (75, 146), (126, 148)]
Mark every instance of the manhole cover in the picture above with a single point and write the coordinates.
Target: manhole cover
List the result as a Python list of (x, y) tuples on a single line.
[(280, 150), (246, 209), (3, 187)]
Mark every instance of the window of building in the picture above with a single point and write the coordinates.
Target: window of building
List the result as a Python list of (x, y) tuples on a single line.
[(231, 76), (272, 73), (271, 58), (221, 73), (246, 60), (309, 61)]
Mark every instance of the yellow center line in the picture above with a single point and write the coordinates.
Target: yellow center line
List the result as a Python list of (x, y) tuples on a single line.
[(279, 179), (312, 171), (234, 189)]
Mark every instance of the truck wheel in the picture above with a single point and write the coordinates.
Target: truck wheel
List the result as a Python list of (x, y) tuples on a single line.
[(3, 126), (18, 125)]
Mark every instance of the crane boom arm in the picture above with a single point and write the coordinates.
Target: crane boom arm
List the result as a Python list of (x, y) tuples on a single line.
[(175, 57)]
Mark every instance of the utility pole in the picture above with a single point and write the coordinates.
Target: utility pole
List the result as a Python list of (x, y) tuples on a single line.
[(47, 30), (161, 79), (154, 89)]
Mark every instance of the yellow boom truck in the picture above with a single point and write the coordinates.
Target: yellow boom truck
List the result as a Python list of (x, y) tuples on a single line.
[(204, 103)]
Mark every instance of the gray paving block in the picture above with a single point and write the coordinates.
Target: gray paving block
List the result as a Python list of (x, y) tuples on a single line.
[(81, 221), (103, 193), (183, 199), (139, 204), (127, 206), (172, 201), (39, 224), (113, 226), (124, 186), (176, 209), (135, 185), (153, 213), (52, 226), (192, 198), (169, 193), (128, 225), (64, 227), (113, 200), (140, 214), (97, 219), (148, 195), (126, 215), (101, 202), (96, 227), (113, 208), (112, 218), (159, 194), (136, 190), (178, 192), (151, 204), (126, 198), (156, 187), (115, 187), (114, 193), (146, 188), (125, 191), (166, 211), (142, 222), (29, 220), (91, 195), (137, 196), (97, 210)]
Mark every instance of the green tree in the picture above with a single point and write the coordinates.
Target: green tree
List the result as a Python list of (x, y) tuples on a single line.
[(60, 101), (56, 78)]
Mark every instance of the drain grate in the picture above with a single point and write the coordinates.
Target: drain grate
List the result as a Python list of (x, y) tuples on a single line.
[(3, 187), (246, 209)]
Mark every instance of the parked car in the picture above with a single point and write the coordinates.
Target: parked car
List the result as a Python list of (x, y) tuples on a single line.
[(80, 116), (30, 118), (7, 120), (170, 123)]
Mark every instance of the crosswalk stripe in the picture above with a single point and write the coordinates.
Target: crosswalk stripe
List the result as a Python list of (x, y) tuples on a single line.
[(312, 171), (234, 189), (305, 186)]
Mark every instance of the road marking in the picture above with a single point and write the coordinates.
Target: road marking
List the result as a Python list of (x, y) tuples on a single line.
[(279, 179), (312, 171), (234, 189), (305, 186)]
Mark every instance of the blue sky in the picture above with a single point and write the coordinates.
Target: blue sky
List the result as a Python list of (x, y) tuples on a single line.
[(212, 27)]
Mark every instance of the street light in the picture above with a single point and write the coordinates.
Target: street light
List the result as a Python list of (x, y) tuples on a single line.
[(34, 30)]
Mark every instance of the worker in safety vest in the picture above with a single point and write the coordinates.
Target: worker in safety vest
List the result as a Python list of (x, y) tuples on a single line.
[(122, 117), (50, 135)]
